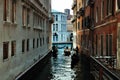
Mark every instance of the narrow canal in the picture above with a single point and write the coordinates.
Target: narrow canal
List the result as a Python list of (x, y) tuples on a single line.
[(59, 69)]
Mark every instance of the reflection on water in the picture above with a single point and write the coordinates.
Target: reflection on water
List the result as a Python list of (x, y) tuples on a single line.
[(59, 69)]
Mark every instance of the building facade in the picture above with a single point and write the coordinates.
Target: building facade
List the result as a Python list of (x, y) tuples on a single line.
[(59, 28), (24, 35), (74, 21), (99, 28)]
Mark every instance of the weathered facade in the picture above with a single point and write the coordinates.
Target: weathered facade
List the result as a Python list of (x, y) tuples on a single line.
[(74, 21), (24, 35), (99, 28)]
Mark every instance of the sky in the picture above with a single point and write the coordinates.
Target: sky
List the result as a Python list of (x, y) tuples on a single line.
[(60, 5)]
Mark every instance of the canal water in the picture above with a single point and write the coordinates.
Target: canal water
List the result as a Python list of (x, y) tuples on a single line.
[(59, 69)]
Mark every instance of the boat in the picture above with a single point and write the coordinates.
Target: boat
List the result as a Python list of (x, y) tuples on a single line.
[(54, 51), (67, 51)]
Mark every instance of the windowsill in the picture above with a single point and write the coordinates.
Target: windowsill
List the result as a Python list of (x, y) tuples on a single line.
[(14, 24), (13, 56), (24, 26), (28, 26), (108, 15), (37, 28), (118, 11), (6, 22), (4, 60)]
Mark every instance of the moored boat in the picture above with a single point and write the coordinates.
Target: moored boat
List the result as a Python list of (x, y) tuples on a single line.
[(67, 51)]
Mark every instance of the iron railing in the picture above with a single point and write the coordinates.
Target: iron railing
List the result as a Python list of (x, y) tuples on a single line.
[(102, 71)]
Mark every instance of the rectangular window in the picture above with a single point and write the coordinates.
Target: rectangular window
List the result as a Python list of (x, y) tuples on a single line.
[(96, 45), (110, 45), (37, 43), (6, 8), (53, 38), (28, 17), (56, 27), (27, 45), (43, 40), (107, 45), (101, 45), (102, 10), (79, 25), (24, 16), (118, 4), (13, 11), (56, 17), (97, 14), (53, 27), (5, 50), (13, 48), (23, 45), (109, 6), (40, 42), (56, 38), (33, 43)]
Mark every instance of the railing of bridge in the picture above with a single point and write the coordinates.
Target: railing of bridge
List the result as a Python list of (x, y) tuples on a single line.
[(103, 73)]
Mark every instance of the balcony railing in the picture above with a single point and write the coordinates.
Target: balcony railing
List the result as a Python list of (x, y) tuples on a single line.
[(100, 71)]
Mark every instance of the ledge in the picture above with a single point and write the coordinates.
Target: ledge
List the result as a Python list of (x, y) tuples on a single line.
[(6, 23)]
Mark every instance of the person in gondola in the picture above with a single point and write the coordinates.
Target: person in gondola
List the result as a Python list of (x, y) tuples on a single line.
[(54, 51), (75, 58)]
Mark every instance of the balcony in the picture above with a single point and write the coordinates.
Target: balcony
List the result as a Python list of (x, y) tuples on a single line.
[(74, 4), (73, 19)]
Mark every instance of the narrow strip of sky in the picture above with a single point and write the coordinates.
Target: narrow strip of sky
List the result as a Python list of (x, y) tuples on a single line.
[(60, 5)]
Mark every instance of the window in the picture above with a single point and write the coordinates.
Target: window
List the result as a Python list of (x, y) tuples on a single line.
[(40, 42), (87, 2), (6, 8), (109, 6), (37, 43), (33, 43), (53, 27), (108, 45), (118, 4), (97, 14), (13, 48), (28, 17), (27, 44), (56, 17), (23, 16), (79, 25), (43, 40), (101, 45), (57, 38), (53, 38), (13, 11), (56, 27), (102, 10), (96, 45), (5, 50), (23, 45)]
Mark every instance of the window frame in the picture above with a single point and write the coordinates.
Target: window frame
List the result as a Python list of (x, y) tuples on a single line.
[(5, 51)]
